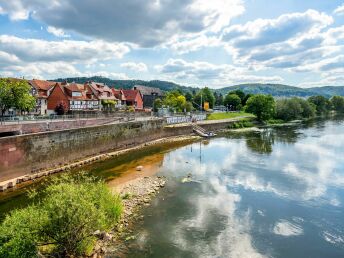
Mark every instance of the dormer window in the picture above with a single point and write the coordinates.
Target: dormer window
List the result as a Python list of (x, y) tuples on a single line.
[(76, 94)]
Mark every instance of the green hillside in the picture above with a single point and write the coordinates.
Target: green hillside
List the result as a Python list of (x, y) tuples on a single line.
[(276, 90)]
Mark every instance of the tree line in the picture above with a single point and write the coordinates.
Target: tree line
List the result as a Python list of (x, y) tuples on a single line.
[(265, 107)]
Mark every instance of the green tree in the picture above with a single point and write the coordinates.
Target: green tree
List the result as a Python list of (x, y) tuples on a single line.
[(322, 104), (176, 101), (205, 95), (247, 96), (240, 94), (70, 211), (22, 98), (338, 103), (188, 96), (232, 101), (308, 109), (6, 96), (218, 99), (263, 106), (288, 109), (157, 104)]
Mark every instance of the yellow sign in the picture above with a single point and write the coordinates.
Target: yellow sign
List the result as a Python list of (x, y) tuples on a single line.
[(206, 106)]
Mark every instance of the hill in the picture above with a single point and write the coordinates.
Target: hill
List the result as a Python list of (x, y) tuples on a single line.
[(128, 84), (276, 90)]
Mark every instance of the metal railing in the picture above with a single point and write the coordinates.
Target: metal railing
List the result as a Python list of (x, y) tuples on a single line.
[(185, 119)]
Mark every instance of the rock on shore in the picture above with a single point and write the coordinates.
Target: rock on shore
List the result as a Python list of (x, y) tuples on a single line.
[(135, 194)]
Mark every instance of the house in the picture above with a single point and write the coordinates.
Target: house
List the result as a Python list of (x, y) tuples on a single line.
[(41, 89), (120, 96), (74, 97), (102, 92), (149, 94), (133, 98)]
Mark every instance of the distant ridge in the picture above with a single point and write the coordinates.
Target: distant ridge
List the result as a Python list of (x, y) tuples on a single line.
[(276, 90)]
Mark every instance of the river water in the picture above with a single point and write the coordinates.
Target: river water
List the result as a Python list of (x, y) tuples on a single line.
[(276, 193)]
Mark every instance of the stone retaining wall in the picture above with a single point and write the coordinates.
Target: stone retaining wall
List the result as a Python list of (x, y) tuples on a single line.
[(30, 154)]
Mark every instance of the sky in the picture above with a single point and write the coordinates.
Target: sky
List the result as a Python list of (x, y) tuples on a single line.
[(212, 43)]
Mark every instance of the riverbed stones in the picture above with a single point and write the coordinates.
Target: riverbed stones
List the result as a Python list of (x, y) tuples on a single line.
[(139, 168)]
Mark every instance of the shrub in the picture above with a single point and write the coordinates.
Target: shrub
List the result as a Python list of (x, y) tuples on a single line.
[(64, 220), (294, 108)]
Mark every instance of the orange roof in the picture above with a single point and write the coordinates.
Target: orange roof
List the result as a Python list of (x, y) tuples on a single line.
[(41, 84), (118, 94), (130, 95)]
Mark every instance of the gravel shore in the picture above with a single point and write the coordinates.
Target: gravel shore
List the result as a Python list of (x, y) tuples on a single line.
[(136, 194)]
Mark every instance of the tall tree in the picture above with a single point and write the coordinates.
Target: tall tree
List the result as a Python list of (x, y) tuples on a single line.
[(6, 96), (263, 106), (322, 104), (15, 94), (240, 94), (204, 95), (232, 101), (338, 103)]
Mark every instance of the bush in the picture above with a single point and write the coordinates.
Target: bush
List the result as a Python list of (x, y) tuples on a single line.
[(63, 221), (241, 124), (294, 108)]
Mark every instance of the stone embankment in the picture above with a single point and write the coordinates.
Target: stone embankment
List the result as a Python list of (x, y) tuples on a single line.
[(80, 163), (136, 194)]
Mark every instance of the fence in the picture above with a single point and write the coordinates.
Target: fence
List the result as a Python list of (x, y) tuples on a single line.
[(185, 119), (122, 116)]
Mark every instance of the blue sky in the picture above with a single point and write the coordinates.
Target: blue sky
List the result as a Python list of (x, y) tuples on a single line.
[(192, 42)]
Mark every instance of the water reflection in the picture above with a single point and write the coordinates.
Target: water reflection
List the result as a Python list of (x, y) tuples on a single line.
[(277, 193)]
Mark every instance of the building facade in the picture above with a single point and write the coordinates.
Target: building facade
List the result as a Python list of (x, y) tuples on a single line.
[(149, 95)]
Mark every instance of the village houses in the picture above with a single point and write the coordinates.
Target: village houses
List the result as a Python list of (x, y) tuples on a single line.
[(90, 96)]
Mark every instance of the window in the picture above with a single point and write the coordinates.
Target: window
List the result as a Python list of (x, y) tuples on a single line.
[(76, 94)]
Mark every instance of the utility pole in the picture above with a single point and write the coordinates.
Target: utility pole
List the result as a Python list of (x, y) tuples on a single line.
[(201, 104)]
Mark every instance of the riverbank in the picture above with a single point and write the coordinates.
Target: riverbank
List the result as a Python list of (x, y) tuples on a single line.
[(29, 178), (136, 194)]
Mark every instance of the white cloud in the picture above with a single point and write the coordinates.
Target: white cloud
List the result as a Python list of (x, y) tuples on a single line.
[(42, 70), (57, 32), (204, 72), (15, 9), (30, 50), (137, 67), (286, 228), (147, 23), (182, 45), (339, 10), (289, 41)]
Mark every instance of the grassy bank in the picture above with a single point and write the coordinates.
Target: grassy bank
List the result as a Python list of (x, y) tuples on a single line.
[(228, 115), (62, 221)]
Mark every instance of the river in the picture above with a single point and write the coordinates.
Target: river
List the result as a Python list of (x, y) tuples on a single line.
[(278, 193), (274, 193)]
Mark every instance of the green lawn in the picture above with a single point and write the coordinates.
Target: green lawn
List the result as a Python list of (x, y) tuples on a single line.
[(219, 116)]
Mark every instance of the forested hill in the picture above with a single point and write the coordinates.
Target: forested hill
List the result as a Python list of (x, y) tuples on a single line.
[(277, 90), (128, 84)]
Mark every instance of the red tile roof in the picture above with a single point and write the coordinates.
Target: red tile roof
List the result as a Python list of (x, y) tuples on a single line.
[(130, 95), (118, 94), (41, 84), (101, 90)]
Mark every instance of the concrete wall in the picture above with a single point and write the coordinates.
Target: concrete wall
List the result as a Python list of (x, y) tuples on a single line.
[(20, 155), (25, 154)]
